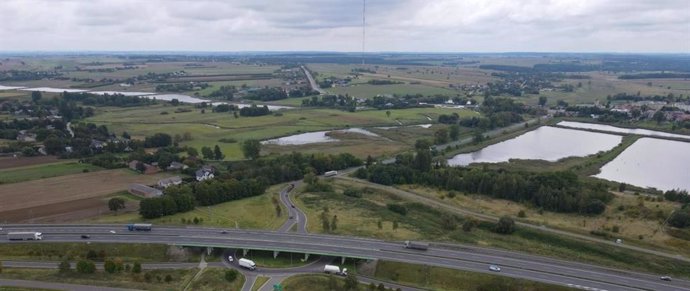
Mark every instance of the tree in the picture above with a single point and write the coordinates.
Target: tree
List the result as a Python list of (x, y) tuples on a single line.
[(621, 187), (207, 153), (192, 152), (251, 149), (441, 136), (334, 223), (454, 132), (64, 266), (54, 145), (423, 157), (230, 275), (217, 153), (506, 225), (542, 101), (379, 224), (370, 161), (91, 255), (388, 113), (36, 96), (395, 224), (659, 117), (116, 203), (680, 218), (109, 266), (126, 135), (136, 268), (140, 167), (351, 282), (86, 267), (168, 278)]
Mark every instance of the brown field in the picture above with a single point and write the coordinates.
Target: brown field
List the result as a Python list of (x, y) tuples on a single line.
[(12, 162), (78, 195)]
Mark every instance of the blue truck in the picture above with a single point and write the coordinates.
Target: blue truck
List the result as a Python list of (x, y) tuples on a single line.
[(139, 227)]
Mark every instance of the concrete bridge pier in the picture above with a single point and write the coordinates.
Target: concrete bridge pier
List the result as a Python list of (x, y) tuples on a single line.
[(342, 260), (209, 250), (275, 254), (244, 252), (306, 257)]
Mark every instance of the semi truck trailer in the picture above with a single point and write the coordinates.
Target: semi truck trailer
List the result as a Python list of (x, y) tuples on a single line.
[(330, 269), (415, 245), (330, 173), (24, 235), (139, 227), (247, 264)]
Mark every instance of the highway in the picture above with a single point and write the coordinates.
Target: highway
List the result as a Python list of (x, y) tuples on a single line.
[(459, 257), (295, 215), (312, 82)]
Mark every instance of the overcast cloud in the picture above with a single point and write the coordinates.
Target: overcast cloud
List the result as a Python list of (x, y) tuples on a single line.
[(335, 25)]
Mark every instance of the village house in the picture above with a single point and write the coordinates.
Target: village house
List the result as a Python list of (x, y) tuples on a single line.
[(176, 166), (205, 173), (26, 136), (167, 182), (144, 191), (148, 169)]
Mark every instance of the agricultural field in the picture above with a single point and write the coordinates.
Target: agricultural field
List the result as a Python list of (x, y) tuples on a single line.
[(68, 167), (66, 196)]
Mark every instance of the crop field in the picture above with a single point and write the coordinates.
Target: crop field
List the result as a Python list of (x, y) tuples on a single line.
[(208, 128), (12, 162), (50, 196), (14, 175)]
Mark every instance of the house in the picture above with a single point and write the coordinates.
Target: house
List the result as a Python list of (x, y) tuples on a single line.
[(26, 136), (97, 144), (144, 191), (167, 182), (205, 173), (174, 166), (148, 169)]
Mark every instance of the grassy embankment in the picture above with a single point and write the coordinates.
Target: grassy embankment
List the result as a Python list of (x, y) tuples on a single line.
[(29, 173), (283, 260), (242, 213), (214, 279), (74, 251), (260, 281), (128, 280), (313, 282), (361, 217), (444, 279)]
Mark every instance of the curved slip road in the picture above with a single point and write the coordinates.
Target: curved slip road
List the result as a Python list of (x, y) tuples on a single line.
[(473, 259), (295, 215)]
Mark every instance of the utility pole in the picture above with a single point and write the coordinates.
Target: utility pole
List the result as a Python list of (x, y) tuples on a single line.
[(364, 22)]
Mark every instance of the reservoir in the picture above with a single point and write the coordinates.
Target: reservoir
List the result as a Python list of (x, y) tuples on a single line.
[(609, 128)]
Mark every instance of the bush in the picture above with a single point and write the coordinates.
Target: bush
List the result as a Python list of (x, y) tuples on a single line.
[(64, 266), (451, 194), (616, 229), (522, 214), (356, 193), (397, 208), (168, 278), (230, 275), (86, 267), (505, 225), (109, 266), (136, 268)]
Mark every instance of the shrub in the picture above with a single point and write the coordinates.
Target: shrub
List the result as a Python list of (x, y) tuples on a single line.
[(168, 278), (521, 214), (397, 208), (86, 267), (616, 229), (64, 266), (230, 275), (505, 225), (136, 268), (356, 193)]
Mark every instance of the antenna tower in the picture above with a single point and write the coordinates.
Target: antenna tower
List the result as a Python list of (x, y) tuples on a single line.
[(364, 21)]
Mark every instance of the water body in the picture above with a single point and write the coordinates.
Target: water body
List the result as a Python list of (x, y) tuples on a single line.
[(545, 143), (609, 128), (315, 137), (53, 90), (10, 87), (651, 162), (428, 125)]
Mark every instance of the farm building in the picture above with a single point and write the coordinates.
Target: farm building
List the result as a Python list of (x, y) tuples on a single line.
[(144, 191), (167, 182)]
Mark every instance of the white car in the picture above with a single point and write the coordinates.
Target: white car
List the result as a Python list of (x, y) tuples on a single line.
[(494, 268), (230, 259), (665, 278), (112, 231)]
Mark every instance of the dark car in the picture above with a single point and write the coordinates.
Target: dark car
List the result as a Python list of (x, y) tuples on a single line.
[(293, 206), (224, 232), (85, 236)]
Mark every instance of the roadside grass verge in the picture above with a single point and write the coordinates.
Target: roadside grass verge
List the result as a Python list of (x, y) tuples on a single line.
[(260, 281), (360, 217), (156, 278), (442, 279), (128, 252), (214, 279), (14, 175), (314, 282)]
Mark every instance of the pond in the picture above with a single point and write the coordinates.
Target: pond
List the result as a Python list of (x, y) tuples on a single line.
[(194, 100), (10, 87), (651, 162), (53, 90), (315, 137), (124, 93), (544, 143), (609, 128)]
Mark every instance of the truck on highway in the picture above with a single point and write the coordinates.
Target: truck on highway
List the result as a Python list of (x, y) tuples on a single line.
[(330, 269), (330, 173), (24, 235), (415, 245), (139, 227), (247, 264)]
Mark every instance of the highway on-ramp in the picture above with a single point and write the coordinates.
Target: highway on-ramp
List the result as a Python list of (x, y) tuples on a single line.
[(466, 258)]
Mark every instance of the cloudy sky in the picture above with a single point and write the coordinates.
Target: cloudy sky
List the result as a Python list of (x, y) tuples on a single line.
[(336, 25)]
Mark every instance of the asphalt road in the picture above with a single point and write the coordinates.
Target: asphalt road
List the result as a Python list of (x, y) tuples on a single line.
[(56, 286), (295, 215), (312, 82), (459, 257)]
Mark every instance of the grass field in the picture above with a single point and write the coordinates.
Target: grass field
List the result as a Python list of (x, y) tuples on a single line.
[(10, 288), (259, 282), (444, 279), (75, 251), (254, 213), (283, 260), (207, 129), (360, 216), (214, 279), (21, 174), (313, 282), (101, 278), (369, 91), (14, 162)]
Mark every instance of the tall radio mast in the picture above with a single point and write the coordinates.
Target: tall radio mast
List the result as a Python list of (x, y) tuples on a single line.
[(364, 15)]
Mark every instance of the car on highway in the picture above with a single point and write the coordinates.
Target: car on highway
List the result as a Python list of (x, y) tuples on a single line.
[(665, 278), (494, 268), (292, 205), (230, 259), (224, 232), (112, 231), (290, 217), (85, 236)]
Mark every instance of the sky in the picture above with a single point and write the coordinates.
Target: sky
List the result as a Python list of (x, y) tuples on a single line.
[(336, 25)]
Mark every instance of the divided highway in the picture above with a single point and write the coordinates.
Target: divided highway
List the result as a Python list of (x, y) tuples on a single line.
[(466, 258)]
